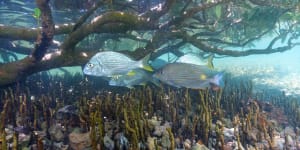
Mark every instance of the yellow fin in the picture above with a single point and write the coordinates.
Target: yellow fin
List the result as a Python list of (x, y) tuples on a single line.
[(145, 63), (131, 73), (203, 77), (148, 68), (210, 62)]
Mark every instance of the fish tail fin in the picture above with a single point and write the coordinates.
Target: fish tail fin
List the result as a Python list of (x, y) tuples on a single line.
[(210, 62), (144, 63), (218, 80)]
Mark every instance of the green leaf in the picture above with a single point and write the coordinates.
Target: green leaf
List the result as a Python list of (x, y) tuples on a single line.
[(37, 13), (218, 11)]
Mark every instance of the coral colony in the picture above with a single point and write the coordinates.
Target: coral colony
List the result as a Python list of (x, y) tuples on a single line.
[(73, 112)]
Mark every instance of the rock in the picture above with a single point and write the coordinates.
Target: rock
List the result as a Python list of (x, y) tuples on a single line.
[(236, 143), (153, 122), (56, 133), (60, 146), (24, 139), (289, 142), (228, 134), (279, 142), (121, 141), (158, 130), (108, 143), (288, 131), (178, 142), (199, 147), (165, 140), (234, 146), (187, 144), (151, 143), (79, 141)]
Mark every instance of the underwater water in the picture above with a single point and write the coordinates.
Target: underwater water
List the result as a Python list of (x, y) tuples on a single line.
[(268, 72), (254, 104)]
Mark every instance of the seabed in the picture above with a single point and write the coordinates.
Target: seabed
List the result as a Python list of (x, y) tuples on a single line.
[(75, 113)]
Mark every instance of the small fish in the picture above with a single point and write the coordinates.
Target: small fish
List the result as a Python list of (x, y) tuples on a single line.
[(191, 58), (111, 63), (134, 77), (189, 76), (66, 111)]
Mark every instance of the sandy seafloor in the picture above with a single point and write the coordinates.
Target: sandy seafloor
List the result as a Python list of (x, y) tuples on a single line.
[(279, 71)]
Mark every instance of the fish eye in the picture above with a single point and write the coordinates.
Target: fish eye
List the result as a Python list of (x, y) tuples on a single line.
[(90, 65)]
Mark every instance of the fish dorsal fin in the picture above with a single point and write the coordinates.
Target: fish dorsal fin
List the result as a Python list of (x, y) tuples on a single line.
[(210, 62)]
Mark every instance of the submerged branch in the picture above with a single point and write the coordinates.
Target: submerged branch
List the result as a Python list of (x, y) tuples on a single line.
[(30, 34), (45, 38), (191, 12), (12, 72), (110, 22), (235, 53), (83, 18), (154, 15), (165, 28)]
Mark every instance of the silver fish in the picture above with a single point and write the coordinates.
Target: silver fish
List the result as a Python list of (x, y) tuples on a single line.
[(189, 76), (191, 58), (111, 63), (135, 77)]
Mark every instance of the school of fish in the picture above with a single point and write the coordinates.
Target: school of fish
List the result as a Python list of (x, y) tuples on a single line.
[(188, 71)]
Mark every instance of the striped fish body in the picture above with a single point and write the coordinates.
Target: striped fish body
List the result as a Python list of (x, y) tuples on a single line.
[(188, 75), (139, 77), (110, 63)]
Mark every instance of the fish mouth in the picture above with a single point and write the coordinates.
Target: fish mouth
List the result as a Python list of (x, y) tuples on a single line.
[(86, 71)]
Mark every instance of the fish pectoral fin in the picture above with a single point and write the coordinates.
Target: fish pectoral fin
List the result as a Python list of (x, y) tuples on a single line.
[(145, 64), (148, 68), (131, 73), (203, 77)]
